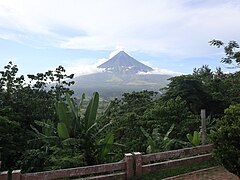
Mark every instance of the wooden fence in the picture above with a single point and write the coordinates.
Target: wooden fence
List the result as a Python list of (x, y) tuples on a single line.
[(133, 164), (150, 162), (118, 170)]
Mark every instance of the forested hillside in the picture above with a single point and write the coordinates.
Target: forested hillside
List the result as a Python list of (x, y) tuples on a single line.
[(46, 128)]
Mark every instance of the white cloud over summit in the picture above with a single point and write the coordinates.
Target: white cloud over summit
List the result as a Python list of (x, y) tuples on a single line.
[(117, 50), (79, 68)]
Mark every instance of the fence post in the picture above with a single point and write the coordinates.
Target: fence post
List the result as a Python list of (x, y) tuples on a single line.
[(129, 165), (16, 174), (4, 175), (203, 125), (138, 164)]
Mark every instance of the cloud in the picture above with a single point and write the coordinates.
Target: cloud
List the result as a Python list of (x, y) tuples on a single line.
[(83, 70), (180, 28), (162, 72), (100, 61), (117, 50), (113, 53), (78, 68), (148, 63), (81, 66)]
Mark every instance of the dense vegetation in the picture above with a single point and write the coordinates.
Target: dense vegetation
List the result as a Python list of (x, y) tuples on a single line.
[(226, 139), (43, 127)]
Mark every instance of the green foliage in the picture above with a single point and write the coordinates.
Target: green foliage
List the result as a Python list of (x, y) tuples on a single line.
[(35, 160), (91, 112), (205, 89), (226, 140), (12, 142), (157, 142), (155, 116), (174, 111), (64, 158), (47, 137), (127, 117), (191, 89), (58, 81), (62, 131), (105, 148), (9, 80), (81, 131), (136, 102), (194, 139), (232, 55), (23, 103), (68, 134)]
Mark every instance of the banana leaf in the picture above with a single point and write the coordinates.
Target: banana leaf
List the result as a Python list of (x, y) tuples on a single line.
[(91, 112), (62, 131)]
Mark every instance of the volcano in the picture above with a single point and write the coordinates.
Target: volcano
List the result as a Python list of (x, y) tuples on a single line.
[(120, 74), (122, 63)]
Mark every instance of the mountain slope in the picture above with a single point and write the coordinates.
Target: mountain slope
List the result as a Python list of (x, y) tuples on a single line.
[(123, 63), (120, 75), (112, 85)]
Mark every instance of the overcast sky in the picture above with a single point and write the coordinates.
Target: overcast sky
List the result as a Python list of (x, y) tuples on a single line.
[(169, 35)]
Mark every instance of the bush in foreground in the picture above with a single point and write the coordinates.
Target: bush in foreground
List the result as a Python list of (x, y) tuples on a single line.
[(227, 140)]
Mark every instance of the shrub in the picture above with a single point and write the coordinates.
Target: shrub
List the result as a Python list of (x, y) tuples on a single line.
[(50, 158), (227, 140), (12, 142)]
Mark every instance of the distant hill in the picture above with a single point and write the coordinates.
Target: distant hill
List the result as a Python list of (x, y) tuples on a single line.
[(121, 74)]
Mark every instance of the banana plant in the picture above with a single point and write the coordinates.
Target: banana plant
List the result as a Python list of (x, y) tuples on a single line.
[(194, 139), (156, 142), (79, 129), (83, 130), (47, 134), (69, 118)]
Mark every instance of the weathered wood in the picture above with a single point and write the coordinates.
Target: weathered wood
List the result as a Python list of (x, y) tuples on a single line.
[(117, 176), (4, 175), (138, 164), (16, 175), (175, 153), (123, 169), (87, 170), (175, 163), (203, 126), (129, 165)]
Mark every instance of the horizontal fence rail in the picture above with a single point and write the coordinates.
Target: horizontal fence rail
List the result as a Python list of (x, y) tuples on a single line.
[(71, 172), (150, 162), (175, 163), (133, 164), (118, 170), (175, 153)]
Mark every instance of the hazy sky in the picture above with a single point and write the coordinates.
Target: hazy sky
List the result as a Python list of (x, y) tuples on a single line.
[(169, 35)]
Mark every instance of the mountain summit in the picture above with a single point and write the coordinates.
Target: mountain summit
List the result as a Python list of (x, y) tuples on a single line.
[(122, 63)]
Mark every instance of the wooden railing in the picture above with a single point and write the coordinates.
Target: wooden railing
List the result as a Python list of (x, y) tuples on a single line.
[(150, 162), (133, 164), (119, 170)]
